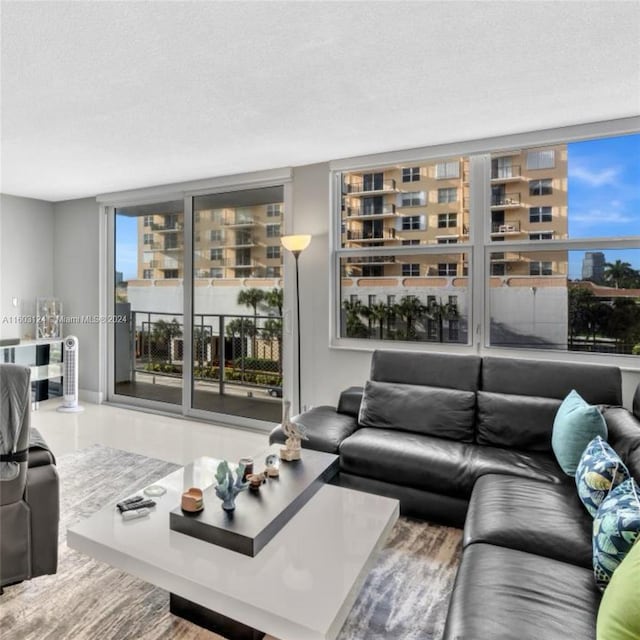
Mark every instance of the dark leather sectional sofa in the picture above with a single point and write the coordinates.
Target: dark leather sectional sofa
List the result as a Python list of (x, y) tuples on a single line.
[(466, 441)]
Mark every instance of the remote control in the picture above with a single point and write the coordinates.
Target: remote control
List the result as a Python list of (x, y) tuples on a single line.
[(135, 513), (128, 501), (137, 505)]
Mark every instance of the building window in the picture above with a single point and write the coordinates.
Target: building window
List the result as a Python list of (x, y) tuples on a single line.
[(446, 220), (170, 273), (273, 252), (148, 221), (412, 199), (540, 268), (410, 174), (391, 300), (448, 194), (216, 254), (171, 241), (451, 240), (215, 235), (273, 230), (498, 269), (272, 272), (447, 269), (540, 187), (371, 299), (448, 169), (411, 223), (274, 210), (196, 216), (147, 274), (540, 214), (545, 159), (148, 238), (411, 269), (547, 235), (216, 272)]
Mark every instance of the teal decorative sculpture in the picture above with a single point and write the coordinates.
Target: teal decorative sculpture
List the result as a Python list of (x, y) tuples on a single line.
[(229, 485)]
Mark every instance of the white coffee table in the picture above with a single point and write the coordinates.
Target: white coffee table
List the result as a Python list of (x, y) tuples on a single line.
[(301, 586)]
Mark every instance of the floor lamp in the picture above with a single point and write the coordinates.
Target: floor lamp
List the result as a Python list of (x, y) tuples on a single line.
[(296, 245)]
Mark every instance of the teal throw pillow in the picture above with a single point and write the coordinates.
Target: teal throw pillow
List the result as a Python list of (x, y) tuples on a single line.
[(575, 425), (599, 471), (615, 528)]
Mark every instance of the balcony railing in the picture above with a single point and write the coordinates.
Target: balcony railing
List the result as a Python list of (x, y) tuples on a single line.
[(505, 200), (505, 227), (389, 234), (234, 350), (167, 226), (384, 210), (372, 260), (366, 187), (505, 173), (239, 221)]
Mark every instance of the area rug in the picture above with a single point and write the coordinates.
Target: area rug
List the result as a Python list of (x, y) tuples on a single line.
[(405, 596)]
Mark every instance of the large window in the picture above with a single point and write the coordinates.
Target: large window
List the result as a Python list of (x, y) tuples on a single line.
[(565, 274)]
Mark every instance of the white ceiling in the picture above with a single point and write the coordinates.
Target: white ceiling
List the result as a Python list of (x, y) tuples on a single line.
[(107, 96)]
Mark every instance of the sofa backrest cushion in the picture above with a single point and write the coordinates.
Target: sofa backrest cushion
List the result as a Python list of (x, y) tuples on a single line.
[(518, 399), (429, 369), (597, 384), (444, 413), (515, 421)]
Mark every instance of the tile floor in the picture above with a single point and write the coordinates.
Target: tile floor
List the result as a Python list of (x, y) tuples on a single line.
[(173, 439)]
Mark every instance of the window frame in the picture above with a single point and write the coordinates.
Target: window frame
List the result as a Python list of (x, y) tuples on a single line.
[(478, 245)]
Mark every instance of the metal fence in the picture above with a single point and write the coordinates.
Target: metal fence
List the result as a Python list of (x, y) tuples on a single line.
[(227, 348)]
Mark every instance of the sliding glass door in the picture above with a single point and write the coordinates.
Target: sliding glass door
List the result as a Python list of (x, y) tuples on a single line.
[(149, 279), (204, 333), (237, 303)]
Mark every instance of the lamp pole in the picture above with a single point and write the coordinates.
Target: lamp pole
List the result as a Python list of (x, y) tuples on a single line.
[(296, 255), (296, 245)]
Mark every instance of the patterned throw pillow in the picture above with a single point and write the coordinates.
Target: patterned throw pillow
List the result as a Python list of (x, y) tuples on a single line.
[(599, 471), (615, 528)]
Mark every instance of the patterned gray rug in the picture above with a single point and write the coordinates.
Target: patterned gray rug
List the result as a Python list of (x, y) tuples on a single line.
[(405, 597)]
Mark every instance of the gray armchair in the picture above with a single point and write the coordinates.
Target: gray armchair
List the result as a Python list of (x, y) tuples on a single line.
[(29, 487)]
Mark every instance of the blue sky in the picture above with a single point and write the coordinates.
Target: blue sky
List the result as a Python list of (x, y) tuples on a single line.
[(603, 201), (604, 194)]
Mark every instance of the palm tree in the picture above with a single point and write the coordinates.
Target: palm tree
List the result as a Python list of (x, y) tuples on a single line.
[(164, 332), (409, 309), (379, 312), (355, 328), (252, 298), (438, 312), (272, 332), (240, 327), (274, 299), (618, 273)]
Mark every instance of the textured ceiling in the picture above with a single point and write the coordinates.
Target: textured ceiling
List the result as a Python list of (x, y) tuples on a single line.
[(107, 96)]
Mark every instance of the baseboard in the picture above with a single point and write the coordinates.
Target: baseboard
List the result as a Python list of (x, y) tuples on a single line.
[(95, 397)]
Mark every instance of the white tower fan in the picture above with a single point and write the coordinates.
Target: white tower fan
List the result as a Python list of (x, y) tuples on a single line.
[(70, 376)]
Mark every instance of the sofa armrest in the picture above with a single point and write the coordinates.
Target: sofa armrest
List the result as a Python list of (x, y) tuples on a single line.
[(39, 452), (326, 429), (636, 403), (624, 436), (350, 400)]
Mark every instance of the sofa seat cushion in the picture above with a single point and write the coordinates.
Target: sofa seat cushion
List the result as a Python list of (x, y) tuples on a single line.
[(325, 429), (446, 413), (435, 464), (539, 517), (504, 594)]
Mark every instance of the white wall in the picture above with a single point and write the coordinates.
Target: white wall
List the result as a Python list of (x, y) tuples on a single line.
[(77, 282), (26, 261)]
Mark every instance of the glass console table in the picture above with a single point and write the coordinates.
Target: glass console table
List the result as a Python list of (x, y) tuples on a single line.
[(44, 358)]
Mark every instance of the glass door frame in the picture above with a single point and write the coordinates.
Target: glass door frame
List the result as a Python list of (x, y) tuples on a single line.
[(110, 203)]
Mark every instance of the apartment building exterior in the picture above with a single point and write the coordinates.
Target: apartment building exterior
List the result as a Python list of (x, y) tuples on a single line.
[(230, 242), (429, 204)]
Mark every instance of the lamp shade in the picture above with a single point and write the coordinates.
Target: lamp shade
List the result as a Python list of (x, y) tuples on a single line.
[(295, 244)]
